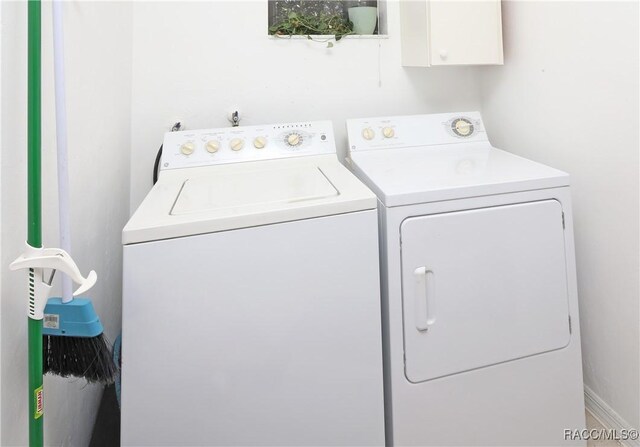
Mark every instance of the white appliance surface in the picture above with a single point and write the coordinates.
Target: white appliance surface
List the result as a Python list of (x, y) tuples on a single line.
[(251, 299), (267, 336), (427, 162), (430, 174), (479, 299), (239, 189), (248, 186)]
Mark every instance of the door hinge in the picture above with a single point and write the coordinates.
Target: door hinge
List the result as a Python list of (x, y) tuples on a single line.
[(563, 220), (570, 324)]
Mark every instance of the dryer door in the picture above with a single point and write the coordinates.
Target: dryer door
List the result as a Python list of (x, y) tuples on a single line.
[(482, 287)]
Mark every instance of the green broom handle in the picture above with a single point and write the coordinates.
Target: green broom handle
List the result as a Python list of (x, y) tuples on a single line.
[(34, 230)]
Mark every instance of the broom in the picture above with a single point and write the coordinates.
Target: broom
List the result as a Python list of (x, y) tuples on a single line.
[(73, 340), (41, 263)]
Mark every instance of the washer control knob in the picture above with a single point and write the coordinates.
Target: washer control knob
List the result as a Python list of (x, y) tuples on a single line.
[(236, 144), (212, 146), (368, 133), (388, 132), (294, 139), (259, 142), (187, 148)]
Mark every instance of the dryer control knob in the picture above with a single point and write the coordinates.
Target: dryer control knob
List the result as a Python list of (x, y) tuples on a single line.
[(259, 142), (388, 132), (187, 148), (368, 133), (212, 146), (236, 144)]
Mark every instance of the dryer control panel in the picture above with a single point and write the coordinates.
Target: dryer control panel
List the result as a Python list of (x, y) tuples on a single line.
[(415, 130), (191, 148)]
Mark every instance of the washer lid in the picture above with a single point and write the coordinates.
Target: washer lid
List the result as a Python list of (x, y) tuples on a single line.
[(215, 198), (240, 190), (410, 175)]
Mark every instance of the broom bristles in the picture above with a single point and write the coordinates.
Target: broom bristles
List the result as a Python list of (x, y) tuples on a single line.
[(85, 357)]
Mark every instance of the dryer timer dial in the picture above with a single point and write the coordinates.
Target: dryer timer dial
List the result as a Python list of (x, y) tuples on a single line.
[(462, 127)]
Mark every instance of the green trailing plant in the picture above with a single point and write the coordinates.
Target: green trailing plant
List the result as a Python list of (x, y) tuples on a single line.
[(311, 25)]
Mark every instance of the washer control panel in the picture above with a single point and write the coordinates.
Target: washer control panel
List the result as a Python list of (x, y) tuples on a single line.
[(191, 148), (414, 130)]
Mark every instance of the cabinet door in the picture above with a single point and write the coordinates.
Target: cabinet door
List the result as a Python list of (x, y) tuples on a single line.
[(465, 32), (482, 287)]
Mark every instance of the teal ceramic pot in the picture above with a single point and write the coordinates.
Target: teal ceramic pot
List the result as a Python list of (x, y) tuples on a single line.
[(364, 19)]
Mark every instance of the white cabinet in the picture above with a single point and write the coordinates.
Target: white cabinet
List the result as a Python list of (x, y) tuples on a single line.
[(451, 32)]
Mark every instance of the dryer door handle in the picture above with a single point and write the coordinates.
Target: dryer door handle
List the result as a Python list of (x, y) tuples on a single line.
[(424, 314)]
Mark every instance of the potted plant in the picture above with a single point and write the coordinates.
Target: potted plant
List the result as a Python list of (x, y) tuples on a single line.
[(299, 24), (364, 16)]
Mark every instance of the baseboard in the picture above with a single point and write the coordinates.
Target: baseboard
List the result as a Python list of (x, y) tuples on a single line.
[(607, 415)]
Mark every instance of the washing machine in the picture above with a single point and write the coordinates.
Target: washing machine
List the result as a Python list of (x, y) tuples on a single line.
[(251, 301), (480, 309)]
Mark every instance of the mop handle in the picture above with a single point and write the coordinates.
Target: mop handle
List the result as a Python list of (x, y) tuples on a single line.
[(61, 142)]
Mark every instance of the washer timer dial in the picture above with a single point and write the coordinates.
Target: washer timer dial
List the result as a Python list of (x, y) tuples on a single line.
[(293, 139)]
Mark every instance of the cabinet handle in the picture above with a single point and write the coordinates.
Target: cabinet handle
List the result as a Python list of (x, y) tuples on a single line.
[(424, 298)]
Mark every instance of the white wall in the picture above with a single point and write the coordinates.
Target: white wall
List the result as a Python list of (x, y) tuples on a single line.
[(98, 56), (194, 61), (568, 96)]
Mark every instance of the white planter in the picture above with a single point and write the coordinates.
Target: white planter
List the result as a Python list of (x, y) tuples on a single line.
[(364, 19)]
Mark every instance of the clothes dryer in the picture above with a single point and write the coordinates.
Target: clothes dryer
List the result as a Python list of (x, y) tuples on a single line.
[(480, 307)]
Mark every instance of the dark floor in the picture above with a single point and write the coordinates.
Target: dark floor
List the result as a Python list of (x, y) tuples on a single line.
[(106, 432)]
